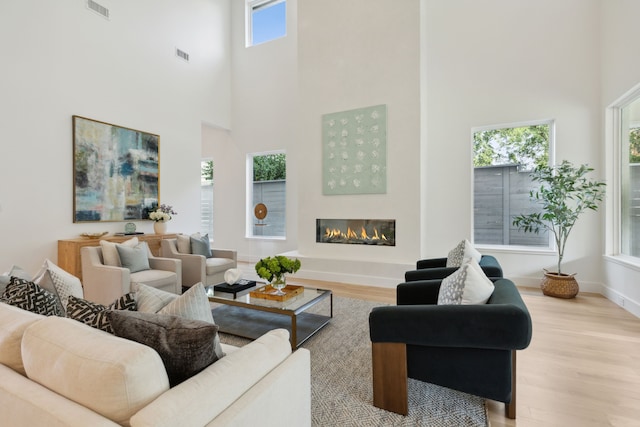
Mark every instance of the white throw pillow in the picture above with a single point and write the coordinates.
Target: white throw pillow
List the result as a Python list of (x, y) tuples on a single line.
[(60, 283), (150, 299), (184, 244), (110, 253), (468, 285), (471, 252)]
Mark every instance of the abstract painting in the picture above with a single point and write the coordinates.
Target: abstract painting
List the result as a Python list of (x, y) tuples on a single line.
[(354, 151), (116, 172)]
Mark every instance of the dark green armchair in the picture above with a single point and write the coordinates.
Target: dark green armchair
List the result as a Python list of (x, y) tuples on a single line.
[(470, 348)]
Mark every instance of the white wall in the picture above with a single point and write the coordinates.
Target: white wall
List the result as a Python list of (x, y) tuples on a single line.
[(263, 118), (620, 73), (61, 59), (500, 61)]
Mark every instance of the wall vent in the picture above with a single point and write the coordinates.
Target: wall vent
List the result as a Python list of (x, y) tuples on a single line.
[(98, 8), (182, 54)]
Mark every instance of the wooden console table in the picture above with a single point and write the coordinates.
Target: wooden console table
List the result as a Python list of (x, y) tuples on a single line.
[(69, 249)]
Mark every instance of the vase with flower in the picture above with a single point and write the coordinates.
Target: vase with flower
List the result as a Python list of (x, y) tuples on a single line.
[(273, 269), (161, 216)]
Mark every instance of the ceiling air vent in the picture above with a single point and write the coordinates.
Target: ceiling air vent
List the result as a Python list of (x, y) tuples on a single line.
[(98, 8), (182, 54)]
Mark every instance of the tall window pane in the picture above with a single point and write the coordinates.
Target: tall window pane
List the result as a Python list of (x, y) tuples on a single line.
[(503, 158), (267, 216), (630, 178), (206, 197)]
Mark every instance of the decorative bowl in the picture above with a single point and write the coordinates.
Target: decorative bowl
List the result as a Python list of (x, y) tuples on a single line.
[(94, 235)]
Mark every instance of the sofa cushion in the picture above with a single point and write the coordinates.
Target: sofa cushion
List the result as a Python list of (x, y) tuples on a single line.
[(467, 285), (110, 253), (60, 283), (218, 265), (94, 314), (234, 376), (134, 258), (185, 346), (161, 279), (13, 322), (28, 296), (110, 375)]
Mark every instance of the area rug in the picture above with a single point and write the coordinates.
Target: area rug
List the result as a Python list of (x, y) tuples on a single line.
[(341, 384)]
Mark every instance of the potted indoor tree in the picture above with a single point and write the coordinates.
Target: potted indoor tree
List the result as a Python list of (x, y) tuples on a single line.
[(564, 194)]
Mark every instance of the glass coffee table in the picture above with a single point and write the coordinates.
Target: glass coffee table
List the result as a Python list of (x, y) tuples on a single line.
[(251, 317)]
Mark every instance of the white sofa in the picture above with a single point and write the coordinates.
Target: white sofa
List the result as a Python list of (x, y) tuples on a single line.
[(56, 371)]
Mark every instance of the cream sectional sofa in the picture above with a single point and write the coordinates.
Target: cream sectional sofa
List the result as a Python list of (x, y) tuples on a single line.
[(56, 371)]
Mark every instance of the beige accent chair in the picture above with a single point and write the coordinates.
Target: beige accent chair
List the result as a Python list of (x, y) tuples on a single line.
[(197, 268), (104, 283)]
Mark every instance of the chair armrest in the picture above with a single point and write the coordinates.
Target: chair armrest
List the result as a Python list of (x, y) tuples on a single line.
[(490, 326), (418, 293), (224, 253), (431, 263), (167, 264), (490, 266)]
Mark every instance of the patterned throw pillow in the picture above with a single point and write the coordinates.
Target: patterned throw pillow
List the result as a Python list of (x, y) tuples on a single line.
[(95, 315), (185, 346), (456, 256), (452, 287), (28, 296), (468, 285), (150, 299)]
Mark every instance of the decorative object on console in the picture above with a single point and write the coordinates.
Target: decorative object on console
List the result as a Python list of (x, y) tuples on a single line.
[(564, 194), (94, 235), (354, 148), (273, 269), (100, 148), (129, 228), (232, 275), (161, 216)]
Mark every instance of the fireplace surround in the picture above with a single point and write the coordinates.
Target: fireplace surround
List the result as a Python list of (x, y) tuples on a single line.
[(374, 232)]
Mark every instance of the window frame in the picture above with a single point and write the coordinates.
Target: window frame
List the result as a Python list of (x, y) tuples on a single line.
[(551, 248), (251, 7), (250, 218)]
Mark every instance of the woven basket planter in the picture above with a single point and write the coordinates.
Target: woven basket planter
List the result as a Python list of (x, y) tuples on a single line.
[(559, 286)]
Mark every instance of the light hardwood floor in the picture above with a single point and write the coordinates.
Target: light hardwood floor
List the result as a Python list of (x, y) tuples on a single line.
[(581, 369)]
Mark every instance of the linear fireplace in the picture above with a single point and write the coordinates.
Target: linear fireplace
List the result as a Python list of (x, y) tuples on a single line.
[(376, 232)]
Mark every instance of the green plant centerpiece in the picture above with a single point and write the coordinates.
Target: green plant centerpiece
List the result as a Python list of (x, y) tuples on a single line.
[(564, 194), (273, 269)]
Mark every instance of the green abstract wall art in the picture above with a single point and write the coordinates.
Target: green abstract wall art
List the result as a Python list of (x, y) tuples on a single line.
[(354, 151)]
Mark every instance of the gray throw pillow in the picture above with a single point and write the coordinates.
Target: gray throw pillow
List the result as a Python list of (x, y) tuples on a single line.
[(185, 346), (200, 245), (135, 259)]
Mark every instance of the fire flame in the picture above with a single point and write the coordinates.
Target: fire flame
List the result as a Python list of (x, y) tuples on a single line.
[(351, 234)]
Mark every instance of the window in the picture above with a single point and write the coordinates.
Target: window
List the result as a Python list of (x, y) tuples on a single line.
[(503, 157), (206, 197), (268, 178), (630, 177), (266, 20)]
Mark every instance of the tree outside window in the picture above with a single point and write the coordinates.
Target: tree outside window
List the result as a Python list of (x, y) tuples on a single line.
[(503, 157), (269, 172)]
